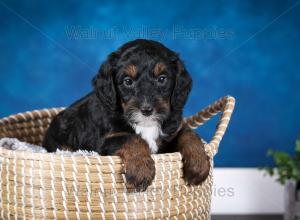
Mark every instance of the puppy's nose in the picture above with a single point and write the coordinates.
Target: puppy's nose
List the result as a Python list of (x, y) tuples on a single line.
[(147, 110)]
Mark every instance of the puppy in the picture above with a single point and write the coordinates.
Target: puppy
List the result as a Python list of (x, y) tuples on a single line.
[(135, 109)]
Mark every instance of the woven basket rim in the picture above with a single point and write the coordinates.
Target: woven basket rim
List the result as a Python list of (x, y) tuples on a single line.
[(50, 156), (225, 105)]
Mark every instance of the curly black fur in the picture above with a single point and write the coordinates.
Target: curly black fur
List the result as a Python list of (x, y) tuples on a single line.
[(109, 107)]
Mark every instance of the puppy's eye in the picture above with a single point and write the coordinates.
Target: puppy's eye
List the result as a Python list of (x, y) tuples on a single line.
[(162, 79), (127, 81)]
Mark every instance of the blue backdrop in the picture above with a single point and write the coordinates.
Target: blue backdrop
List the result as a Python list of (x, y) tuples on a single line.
[(249, 49)]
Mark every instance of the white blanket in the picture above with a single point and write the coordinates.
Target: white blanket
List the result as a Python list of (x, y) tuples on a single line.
[(15, 144)]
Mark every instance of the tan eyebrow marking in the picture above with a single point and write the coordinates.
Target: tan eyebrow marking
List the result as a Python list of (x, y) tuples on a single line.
[(131, 70), (159, 68)]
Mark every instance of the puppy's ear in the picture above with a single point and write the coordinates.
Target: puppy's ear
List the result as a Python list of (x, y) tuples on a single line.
[(182, 88), (103, 83)]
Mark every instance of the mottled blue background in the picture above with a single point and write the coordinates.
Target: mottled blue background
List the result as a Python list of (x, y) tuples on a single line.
[(249, 49)]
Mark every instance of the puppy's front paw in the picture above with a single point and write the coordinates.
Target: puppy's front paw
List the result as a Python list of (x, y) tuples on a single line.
[(196, 169), (140, 172)]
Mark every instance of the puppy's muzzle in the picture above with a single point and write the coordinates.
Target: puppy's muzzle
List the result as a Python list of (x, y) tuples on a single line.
[(147, 110)]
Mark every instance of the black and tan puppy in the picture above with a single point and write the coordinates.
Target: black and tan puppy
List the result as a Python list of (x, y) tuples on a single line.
[(134, 110)]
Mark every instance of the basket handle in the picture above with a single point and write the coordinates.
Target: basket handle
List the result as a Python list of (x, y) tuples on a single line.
[(224, 105)]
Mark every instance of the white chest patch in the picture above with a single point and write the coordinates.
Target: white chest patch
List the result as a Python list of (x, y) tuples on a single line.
[(149, 134)]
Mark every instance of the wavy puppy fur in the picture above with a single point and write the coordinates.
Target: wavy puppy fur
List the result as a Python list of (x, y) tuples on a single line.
[(135, 109)]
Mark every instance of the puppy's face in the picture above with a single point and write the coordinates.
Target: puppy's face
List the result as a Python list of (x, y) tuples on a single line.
[(146, 80), (145, 87)]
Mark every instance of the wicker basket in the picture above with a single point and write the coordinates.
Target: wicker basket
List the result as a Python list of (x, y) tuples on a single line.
[(51, 186)]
